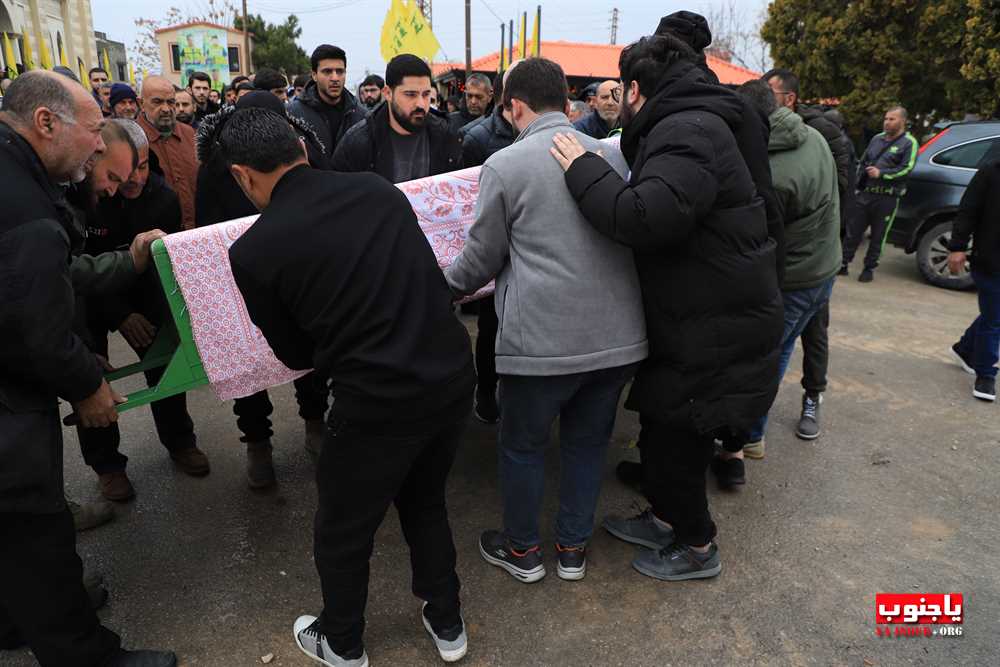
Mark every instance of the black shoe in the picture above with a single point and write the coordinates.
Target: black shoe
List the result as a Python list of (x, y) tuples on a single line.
[(485, 408), (964, 360), (525, 566), (730, 473), (985, 389), (144, 659), (93, 583), (572, 562), (866, 276), (629, 473), (843, 271), (809, 419)]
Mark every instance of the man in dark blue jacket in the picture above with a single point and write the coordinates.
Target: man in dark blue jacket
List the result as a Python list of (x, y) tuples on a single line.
[(604, 118)]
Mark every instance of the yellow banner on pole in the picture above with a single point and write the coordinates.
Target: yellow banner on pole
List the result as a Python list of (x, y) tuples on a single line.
[(62, 57), (131, 75), (84, 75), (405, 30), (29, 57), (44, 54), (107, 66), (8, 56)]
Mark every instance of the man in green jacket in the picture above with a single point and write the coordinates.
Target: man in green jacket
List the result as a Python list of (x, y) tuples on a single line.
[(805, 185)]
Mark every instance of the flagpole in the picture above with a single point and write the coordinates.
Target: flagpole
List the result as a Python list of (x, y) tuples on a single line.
[(538, 32), (468, 37), (503, 42), (510, 42)]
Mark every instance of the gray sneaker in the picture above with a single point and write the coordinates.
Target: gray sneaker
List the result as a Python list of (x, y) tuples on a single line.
[(641, 529), (678, 563), (90, 515), (451, 650), (313, 643)]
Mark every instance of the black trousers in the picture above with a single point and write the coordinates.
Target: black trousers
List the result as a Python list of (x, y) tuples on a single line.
[(486, 359), (362, 469), (42, 600), (870, 211), (674, 462), (174, 427), (253, 413), (816, 352)]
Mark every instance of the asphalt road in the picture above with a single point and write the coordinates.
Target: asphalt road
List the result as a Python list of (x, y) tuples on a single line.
[(898, 495)]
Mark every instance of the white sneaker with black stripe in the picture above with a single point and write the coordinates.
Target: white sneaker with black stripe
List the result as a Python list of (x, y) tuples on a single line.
[(452, 644), (313, 643)]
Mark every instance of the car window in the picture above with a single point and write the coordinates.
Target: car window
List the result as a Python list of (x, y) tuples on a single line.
[(970, 155)]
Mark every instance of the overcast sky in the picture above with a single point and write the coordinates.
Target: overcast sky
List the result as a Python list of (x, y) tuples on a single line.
[(356, 25)]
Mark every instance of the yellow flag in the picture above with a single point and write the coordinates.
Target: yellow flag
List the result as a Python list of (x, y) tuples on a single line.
[(107, 66), (405, 30), (536, 34), (522, 41), (62, 57), (43, 50), (8, 56), (84, 77), (131, 75), (29, 57)]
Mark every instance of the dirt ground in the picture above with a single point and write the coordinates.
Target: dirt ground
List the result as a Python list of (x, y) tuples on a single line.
[(898, 495)]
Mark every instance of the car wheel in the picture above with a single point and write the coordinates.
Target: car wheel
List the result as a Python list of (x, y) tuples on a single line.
[(932, 259)]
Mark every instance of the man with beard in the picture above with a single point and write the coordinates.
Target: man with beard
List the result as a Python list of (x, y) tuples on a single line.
[(370, 91), (339, 278), (604, 118), (143, 203), (476, 101), (402, 140), (708, 276), (325, 103), (199, 84), (50, 128), (124, 102), (173, 145), (98, 77), (184, 110)]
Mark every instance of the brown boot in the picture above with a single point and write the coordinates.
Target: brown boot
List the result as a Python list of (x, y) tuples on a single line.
[(116, 486), (315, 432), (192, 461), (260, 467)]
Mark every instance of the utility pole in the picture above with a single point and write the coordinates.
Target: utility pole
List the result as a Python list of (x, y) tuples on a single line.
[(246, 40), (468, 38), (614, 25)]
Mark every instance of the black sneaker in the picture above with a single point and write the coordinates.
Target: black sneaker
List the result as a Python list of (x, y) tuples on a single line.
[(572, 565), (629, 473), (809, 419), (485, 408), (963, 359), (843, 270), (525, 566), (985, 389), (678, 563), (143, 659), (729, 473), (866, 276)]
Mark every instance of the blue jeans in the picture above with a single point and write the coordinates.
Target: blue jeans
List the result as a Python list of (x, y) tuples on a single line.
[(800, 307), (586, 404), (981, 341)]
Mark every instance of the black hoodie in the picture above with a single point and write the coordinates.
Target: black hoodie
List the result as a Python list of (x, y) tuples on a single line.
[(705, 262)]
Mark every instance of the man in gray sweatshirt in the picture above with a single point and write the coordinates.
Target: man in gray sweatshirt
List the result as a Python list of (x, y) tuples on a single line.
[(572, 328)]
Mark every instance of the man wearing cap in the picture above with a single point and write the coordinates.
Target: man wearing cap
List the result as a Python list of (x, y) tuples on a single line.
[(124, 102)]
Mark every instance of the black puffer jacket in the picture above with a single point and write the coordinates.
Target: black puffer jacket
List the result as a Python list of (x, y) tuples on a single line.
[(368, 147), (484, 137), (309, 107), (705, 262), (840, 146)]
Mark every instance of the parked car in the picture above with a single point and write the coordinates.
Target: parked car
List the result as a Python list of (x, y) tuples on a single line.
[(944, 167)]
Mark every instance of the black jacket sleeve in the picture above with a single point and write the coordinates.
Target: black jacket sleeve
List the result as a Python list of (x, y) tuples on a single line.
[(675, 188), (350, 152), (473, 152), (839, 146), (290, 345), (970, 211), (36, 316)]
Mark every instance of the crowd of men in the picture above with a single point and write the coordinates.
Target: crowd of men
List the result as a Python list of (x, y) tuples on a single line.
[(684, 266)]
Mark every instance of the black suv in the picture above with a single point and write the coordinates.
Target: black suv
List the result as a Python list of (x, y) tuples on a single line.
[(944, 167)]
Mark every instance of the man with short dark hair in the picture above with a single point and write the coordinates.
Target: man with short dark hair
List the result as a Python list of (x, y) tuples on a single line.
[(475, 101), (124, 102), (300, 83), (883, 172), (50, 129), (530, 234), (104, 98), (185, 108), (272, 81), (332, 266), (709, 280), (97, 76), (403, 139), (172, 142), (370, 91), (229, 95), (199, 83), (604, 118), (326, 104)]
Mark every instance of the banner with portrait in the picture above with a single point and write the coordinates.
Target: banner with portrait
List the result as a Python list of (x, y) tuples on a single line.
[(203, 49)]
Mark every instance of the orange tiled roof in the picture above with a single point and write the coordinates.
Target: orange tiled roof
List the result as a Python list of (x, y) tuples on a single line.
[(204, 23), (592, 60)]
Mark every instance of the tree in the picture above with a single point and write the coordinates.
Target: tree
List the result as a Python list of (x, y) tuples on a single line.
[(735, 35), (938, 58), (274, 46)]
